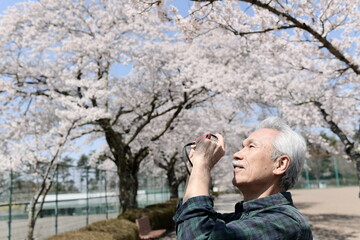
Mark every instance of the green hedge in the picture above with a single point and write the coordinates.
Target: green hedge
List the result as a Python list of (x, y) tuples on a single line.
[(121, 229), (83, 235), (124, 227), (113, 229), (160, 214)]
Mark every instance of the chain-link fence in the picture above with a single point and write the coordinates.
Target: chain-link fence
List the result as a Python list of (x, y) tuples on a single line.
[(78, 196), (326, 182), (329, 172)]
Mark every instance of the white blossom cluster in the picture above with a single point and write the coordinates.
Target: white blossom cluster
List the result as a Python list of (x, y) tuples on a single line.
[(223, 66)]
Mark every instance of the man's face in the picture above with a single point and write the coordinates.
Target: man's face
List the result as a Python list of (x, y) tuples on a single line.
[(253, 166)]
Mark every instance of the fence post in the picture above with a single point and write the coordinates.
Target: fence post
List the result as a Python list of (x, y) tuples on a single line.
[(307, 174), (106, 200), (146, 189), (336, 172), (87, 195), (10, 204), (163, 197), (56, 199)]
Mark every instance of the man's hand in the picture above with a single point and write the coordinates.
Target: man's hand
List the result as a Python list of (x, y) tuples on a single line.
[(204, 155), (207, 153)]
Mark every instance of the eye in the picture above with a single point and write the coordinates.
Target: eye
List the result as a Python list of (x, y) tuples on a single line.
[(251, 146)]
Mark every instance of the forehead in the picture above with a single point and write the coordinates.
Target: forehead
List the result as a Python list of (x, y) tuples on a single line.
[(263, 135)]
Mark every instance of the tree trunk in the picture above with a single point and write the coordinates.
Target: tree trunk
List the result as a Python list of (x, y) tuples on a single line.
[(126, 164), (128, 187), (31, 221), (357, 162), (349, 147), (174, 189), (33, 213), (174, 182)]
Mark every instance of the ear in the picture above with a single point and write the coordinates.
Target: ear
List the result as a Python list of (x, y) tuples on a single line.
[(281, 164)]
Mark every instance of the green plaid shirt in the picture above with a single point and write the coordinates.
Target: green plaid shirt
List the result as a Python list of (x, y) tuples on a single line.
[(268, 218)]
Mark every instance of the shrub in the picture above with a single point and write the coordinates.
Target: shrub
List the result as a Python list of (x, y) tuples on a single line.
[(121, 229), (171, 204), (160, 214), (161, 218), (83, 235), (124, 227), (133, 214)]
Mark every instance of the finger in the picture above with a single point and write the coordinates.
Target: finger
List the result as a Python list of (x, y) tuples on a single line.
[(191, 152), (221, 140), (200, 141), (202, 145)]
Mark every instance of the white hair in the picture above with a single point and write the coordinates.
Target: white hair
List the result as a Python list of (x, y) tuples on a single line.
[(289, 143)]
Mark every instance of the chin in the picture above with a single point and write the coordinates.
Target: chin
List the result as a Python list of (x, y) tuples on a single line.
[(239, 181), (235, 183)]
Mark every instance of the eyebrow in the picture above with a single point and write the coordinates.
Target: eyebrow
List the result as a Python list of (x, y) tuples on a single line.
[(249, 141)]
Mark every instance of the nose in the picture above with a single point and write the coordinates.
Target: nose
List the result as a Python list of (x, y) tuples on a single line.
[(238, 155)]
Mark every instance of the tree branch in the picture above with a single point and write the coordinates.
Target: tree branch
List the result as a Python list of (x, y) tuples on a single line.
[(231, 29), (141, 155), (296, 23), (119, 113), (349, 146), (186, 103), (331, 48)]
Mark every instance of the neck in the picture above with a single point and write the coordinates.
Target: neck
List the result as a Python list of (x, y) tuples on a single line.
[(251, 193)]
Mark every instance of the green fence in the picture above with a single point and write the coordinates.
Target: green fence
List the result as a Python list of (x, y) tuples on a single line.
[(78, 196), (333, 173)]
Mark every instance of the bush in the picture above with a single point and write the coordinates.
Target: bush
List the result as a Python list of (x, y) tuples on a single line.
[(83, 235), (171, 204), (161, 218), (133, 214), (121, 229), (124, 227), (160, 214)]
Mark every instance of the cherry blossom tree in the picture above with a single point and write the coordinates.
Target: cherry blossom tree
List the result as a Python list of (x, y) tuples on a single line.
[(62, 57), (33, 148), (299, 57), (33, 140)]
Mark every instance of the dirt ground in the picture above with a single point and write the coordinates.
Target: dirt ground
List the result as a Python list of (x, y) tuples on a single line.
[(334, 213)]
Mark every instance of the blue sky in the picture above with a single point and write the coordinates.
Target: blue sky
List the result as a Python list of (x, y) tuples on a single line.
[(4, 4)]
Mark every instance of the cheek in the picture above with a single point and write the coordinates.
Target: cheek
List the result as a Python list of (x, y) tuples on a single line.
[(268, 167), (258, 169)]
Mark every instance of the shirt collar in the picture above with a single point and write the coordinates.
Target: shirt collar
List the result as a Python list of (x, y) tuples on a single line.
[(283, 198)]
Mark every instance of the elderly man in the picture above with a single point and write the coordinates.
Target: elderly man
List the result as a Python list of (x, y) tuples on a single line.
[(267, 165)]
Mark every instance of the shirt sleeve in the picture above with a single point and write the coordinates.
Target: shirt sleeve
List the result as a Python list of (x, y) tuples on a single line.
[(197, 219)]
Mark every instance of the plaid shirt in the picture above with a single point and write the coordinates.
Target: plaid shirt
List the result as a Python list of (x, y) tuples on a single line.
[(268, 218)]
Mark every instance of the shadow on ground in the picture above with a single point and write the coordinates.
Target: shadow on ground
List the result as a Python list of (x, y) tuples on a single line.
[(302, 206), (334, 226)]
